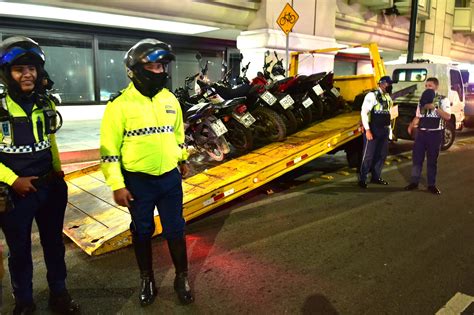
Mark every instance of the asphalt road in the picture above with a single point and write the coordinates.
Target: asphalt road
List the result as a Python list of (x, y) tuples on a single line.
[(307, 245)]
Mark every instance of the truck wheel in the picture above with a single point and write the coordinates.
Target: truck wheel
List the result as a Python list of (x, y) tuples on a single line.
[(449, 136)]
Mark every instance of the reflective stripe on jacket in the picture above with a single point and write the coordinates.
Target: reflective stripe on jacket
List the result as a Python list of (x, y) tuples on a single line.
[(140, 134)]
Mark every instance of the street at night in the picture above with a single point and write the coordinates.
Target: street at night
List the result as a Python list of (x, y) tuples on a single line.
[(305, 244)]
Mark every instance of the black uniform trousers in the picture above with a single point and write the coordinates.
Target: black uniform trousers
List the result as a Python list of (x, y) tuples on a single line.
[(374, 153), (427, 142), (164, 192), (47, 207)]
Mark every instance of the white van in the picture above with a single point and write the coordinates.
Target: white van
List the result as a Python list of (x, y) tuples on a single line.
[(451, 85)]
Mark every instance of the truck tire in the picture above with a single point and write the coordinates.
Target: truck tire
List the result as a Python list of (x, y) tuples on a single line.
[(449, 135)]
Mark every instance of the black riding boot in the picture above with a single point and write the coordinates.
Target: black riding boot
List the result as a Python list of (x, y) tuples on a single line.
[(179, 256), (148, 289)]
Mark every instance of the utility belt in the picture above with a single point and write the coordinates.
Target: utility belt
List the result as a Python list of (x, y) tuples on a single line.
[(6, 202), (45, 180), (145, 175)]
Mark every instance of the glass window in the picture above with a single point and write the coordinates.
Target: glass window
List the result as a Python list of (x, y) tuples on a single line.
[(456, 83), (342, 67), (69, 64), (409, 75), (186, 65), (112, 72)]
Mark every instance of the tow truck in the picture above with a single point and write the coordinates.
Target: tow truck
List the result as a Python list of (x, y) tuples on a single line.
[(97, 225)]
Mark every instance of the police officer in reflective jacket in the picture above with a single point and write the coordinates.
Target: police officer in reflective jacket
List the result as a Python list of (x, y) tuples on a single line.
[(31, 169), (431, 114), (375, 115), (142, 144)]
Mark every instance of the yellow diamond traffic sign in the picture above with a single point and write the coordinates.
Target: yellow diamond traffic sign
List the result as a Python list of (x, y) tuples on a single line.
[(287, 18)]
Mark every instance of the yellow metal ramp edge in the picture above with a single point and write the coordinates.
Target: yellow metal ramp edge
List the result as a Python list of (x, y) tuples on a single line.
[(97, 225)]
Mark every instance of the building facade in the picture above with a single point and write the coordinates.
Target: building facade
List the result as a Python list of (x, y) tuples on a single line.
[(85, 53)]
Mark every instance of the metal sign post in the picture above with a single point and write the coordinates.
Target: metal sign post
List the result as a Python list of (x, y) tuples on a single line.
[(286, 20)]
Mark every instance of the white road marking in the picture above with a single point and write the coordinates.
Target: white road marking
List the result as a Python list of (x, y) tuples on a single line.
[(458, 303)]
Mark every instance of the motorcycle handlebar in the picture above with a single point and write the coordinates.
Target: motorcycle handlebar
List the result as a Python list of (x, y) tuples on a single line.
[(191, 78)]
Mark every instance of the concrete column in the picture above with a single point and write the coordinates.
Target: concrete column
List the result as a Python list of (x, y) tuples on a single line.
[(314, 30), (436, 33)]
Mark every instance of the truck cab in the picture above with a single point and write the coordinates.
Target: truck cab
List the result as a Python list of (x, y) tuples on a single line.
[(451, 85)]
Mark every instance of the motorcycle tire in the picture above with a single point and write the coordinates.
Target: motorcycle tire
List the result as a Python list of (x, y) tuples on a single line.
[(269, 126), (218, 149), (290, 121), (317, 109), (240, 137), (304, 116)]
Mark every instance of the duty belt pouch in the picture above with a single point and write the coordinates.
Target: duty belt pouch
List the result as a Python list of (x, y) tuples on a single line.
[(6, 202), (50, 121)]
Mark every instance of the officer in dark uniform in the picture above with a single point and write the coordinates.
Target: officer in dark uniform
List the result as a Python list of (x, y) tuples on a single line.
[(375, 116), (31, 169), (141, 146), (431, 114)]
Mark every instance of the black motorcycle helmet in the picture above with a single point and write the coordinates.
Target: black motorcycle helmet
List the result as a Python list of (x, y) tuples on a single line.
[(19, 50), (278, 69), (147, 51)]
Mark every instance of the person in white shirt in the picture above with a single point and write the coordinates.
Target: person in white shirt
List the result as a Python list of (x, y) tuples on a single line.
[(375, 115), (431, 114)]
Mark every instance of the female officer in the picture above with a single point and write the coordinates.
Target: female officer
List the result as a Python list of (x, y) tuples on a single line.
[(31, 170)]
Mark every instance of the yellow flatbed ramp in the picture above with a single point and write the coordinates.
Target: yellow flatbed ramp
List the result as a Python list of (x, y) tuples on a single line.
[(97, 225)]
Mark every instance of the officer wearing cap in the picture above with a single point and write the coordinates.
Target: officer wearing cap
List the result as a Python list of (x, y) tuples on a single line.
[(142, 144), (431, 114), (31, 169), (375, 115)]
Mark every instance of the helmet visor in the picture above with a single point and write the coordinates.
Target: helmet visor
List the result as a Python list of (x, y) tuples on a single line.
[(159, 55), (17, 52)]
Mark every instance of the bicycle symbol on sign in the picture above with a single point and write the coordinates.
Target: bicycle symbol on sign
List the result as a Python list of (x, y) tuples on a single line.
[(288, 17)]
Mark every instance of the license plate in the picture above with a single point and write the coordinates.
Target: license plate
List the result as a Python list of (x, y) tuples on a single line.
[(218, 127), (246, 119), (287, 101), (318, 90), (307, 102), (268, 98), (335, 92)]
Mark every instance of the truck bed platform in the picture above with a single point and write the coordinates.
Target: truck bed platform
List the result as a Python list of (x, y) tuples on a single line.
[(97, 225)]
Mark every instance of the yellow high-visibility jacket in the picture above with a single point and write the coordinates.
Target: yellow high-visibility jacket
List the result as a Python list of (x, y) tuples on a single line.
[(15, 153), (140, 134)]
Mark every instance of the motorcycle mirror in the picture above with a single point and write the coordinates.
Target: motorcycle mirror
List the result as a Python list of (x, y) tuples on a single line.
[(241, 57), (198, 56), (276, 55), (267, 53)]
